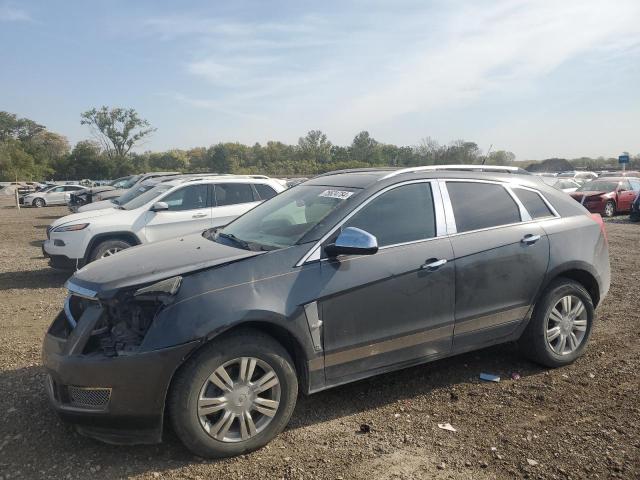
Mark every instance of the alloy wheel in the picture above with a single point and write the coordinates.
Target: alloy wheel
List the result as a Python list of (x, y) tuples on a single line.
[(110, 251), (609, 209), (239, 399), (566, 325)]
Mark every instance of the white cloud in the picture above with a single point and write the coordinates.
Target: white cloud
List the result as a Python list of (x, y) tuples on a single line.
[(9, 13), (376, 63)]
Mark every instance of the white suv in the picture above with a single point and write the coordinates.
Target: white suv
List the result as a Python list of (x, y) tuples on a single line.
[(168, 210)]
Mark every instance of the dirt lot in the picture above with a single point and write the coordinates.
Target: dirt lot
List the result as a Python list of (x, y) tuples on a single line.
[(581, 421)]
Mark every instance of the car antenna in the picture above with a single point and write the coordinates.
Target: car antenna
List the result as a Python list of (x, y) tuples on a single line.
[(487, 155)]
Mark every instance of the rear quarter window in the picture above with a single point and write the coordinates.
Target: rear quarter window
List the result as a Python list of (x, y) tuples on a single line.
[(533, 202), (481, 205)]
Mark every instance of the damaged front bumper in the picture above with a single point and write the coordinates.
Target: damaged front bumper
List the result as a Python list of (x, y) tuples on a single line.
[(117, 397)]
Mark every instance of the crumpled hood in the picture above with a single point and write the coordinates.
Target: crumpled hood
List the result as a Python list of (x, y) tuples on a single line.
[(83, 216), (587, 193), (156, 261)]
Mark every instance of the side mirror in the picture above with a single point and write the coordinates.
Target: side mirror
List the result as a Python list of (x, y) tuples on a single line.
[(159, 207), (352, 241)]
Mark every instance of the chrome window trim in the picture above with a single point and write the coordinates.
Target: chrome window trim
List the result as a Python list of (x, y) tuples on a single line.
[(314, 254), (524, 213)]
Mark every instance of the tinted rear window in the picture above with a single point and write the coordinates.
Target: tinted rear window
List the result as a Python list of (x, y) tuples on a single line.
[(481, 205), (265, 191), (533, 203), (233, 194)]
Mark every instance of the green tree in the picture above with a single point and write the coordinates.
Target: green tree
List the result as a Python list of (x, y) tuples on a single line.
[(117, 129), (315, 147)]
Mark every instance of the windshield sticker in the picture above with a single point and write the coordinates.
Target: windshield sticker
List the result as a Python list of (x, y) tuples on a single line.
[(341, 194)]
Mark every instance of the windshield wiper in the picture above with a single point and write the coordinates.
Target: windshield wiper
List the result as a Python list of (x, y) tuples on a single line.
[(244, 245)]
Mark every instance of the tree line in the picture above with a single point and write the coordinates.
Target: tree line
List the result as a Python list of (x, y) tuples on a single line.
[(28, 151)]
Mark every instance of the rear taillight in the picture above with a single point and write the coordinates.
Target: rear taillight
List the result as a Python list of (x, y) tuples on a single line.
[(598, 219)]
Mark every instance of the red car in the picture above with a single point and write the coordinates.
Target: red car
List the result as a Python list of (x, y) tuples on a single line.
[(609, 195)]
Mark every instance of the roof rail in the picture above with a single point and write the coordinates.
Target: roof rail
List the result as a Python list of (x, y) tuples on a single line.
[(459, 168)]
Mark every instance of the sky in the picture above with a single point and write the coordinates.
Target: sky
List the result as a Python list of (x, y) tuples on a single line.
[(539, 78)]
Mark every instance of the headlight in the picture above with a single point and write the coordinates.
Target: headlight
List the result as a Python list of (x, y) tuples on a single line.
[(71, 228), (164, 288)]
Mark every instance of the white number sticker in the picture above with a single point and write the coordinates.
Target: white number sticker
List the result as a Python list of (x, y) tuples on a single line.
[(341, 194)]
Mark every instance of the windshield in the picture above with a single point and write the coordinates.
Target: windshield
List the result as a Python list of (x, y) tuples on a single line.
[(285, 219), (130, 183), (597, 185), (132, 193), (145, 197)]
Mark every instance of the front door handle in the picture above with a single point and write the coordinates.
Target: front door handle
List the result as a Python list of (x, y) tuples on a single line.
[(530, 239), (433, 264), (199, 215)]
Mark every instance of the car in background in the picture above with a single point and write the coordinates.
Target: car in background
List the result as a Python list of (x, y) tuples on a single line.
[(579, 176), (86, 195), (170, 209), (54, 195), (626, 173), (567, 185), (346, 276), (634, 216), (608, 196), (116, 192)]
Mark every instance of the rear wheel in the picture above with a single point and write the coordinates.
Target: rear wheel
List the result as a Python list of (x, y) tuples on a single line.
[(107, 248), (39, 202), (560, 326), (233, 396), (610, 209)]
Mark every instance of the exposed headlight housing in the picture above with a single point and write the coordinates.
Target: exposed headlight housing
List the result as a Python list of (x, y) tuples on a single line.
[(162, 290), (71, 228)]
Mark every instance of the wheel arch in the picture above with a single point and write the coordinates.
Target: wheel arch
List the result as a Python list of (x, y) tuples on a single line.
[(580, 273), (122, 235), (33, 202)]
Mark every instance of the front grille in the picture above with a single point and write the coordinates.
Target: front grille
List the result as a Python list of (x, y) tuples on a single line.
[(89, 397)]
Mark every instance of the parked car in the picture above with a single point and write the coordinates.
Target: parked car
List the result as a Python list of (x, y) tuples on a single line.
[(86, 195), (634, 216), (346, 276), (626, 173), (168, 210), (116, 192), (609, 195), (579, 176), (54, 195), (567, 185)]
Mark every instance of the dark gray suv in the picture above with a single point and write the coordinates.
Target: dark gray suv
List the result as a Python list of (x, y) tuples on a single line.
[(348, 275)]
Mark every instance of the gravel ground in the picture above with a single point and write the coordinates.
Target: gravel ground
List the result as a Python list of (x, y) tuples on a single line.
[(581, 421)]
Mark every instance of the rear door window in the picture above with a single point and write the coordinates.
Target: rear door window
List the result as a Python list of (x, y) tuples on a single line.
[(233, 193), (481, 205), (533, 203), (403, 214)]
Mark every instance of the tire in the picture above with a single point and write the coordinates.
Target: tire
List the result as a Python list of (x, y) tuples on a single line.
[(534, 342), (39, 203), (609, 209), (192, 382), (108, 248)]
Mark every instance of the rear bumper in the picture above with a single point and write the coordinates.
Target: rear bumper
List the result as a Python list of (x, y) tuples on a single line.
[(114, 399)]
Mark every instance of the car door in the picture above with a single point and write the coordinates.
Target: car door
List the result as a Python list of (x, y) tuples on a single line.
[(189, 211), (501, 254), (232, 200), (395, 306), (626, 196), (55, 195)]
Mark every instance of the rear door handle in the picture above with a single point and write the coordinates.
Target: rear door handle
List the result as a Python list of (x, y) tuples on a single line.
[(530, 239), (433, 264), (199, 215)]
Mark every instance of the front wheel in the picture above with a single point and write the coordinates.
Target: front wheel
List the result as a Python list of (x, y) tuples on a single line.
[(39, 203), (610, 209), (107, 248), (233, 396), (560, 326)]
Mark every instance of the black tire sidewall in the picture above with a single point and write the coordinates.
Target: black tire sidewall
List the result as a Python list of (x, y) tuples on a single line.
[(543, 352), (186, 390), (39, 202), (105, 245)]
